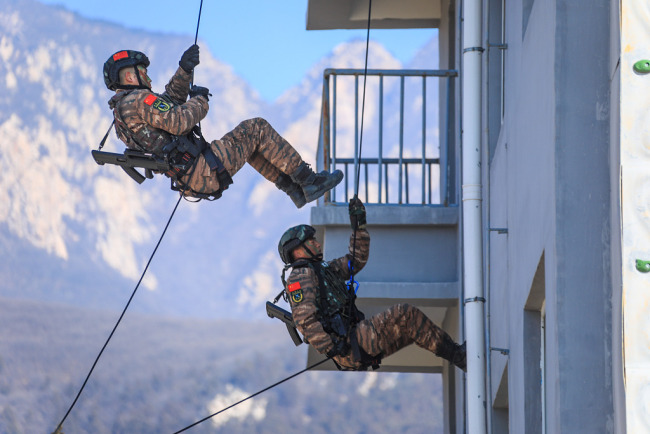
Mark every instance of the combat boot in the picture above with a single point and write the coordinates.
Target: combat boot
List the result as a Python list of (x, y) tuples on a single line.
[(460, 356), (314, 185), (452, 352), (292, 189)]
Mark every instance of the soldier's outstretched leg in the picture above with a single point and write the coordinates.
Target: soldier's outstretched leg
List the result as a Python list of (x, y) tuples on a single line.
[(402, 325), (258, 136)]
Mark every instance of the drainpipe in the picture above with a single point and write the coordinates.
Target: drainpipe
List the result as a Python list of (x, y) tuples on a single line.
[(474, 299)]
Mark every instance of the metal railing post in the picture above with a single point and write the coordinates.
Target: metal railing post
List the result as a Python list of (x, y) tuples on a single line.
[(328, 141), (381, 137), (333, 129), (401, 137), (424, 135)]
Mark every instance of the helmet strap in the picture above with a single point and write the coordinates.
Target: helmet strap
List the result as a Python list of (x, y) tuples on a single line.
[(140, 85), (314, 257), (137, 74)]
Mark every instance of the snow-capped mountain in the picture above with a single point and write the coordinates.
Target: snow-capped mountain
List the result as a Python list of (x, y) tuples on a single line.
[(75, 232)]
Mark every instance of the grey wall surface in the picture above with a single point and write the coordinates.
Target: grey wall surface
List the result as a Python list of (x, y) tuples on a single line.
[(408, 244), (549, 184), (583, 216)]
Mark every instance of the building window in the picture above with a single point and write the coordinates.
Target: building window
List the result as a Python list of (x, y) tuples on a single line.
[(542, 363), (534, 339)]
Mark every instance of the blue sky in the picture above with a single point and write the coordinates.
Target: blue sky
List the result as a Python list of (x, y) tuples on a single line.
[(264, 41)]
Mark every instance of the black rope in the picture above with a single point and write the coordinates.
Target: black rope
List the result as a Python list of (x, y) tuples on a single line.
[(363, 101), (358, 168), (253, 395), (196, 38), (58, 428), (198, 22)]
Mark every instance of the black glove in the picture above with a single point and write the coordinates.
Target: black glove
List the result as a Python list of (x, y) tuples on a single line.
[(340, 348), (200, 91), (357, 214), (190, 59)]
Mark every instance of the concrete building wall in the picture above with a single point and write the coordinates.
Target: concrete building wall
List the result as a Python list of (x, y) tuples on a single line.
[(549, 185), (521, 191)]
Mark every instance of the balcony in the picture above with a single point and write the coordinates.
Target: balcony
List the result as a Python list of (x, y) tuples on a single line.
[(407, 179)]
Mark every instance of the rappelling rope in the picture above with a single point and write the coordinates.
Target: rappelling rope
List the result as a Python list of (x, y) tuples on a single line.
[(363, 103), (365, 73), (198, 23), (60, 425), (254, 395), (358, 162), (58, 428)]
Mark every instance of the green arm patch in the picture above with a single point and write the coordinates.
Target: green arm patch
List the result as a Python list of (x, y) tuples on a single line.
[(296, 296), (157, 103)]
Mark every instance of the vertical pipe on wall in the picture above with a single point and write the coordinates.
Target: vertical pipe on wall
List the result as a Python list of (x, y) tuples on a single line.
[(474, 299)]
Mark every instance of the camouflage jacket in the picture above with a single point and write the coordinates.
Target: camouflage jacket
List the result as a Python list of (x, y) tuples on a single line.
[(304, 294), (145, 120)]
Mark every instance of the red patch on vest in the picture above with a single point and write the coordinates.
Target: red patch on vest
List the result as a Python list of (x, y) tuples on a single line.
[(294, 286), (150, 99), (120, 55)]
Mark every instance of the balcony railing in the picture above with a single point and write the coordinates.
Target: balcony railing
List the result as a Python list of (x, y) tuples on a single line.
[(385, 178)]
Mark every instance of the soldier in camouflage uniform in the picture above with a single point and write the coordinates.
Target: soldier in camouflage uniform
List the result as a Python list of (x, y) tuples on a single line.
[(324, 311), (148, 122)]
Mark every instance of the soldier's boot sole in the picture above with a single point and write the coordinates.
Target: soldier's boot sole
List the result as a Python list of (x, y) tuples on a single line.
[(321, 184)]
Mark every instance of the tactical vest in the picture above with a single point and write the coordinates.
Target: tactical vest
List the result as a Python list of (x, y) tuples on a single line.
[(336, 302), (337, 310), (156, 140), (181, 151)]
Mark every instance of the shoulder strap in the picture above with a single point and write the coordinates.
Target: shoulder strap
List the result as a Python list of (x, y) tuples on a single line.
[(101, 144)]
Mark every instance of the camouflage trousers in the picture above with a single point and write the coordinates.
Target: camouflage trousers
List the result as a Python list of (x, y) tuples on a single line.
[(394, 329), (253, 141)]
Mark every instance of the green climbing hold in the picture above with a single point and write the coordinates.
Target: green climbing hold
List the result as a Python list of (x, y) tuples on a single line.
[(642, 266), (642, 66)]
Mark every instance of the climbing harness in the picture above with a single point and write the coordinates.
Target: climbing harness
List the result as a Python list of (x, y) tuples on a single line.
[(175, 160), (352, 283)]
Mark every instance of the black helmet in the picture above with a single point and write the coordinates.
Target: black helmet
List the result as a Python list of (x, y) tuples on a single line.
[(292, 238), (119, 60)]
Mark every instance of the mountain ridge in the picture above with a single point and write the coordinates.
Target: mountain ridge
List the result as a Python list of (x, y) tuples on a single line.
[(161, 374)]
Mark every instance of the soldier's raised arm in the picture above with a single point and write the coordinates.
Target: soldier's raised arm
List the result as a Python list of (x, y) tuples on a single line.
[(179, 85), (359, 247)]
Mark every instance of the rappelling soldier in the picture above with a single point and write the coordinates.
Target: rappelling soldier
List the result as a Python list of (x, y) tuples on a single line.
[(166, 125), (324, 310)]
